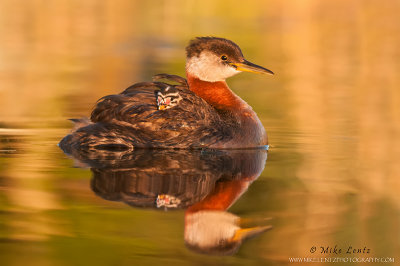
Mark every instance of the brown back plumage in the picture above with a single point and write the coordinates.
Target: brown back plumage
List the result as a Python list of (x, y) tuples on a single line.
[(131, 119)]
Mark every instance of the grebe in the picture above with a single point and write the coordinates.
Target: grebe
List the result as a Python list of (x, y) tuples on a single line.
[(199, 112)]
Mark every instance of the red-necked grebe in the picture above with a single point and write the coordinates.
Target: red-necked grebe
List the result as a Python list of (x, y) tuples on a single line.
[(200, 112)]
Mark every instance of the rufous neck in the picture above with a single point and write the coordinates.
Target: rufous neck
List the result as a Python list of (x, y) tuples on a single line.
[(216, 94)]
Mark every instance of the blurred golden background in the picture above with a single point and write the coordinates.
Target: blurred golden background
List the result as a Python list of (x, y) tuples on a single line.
[(332, 112)]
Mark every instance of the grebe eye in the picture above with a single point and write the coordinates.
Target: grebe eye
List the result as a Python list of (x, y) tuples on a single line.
[(224, 57)]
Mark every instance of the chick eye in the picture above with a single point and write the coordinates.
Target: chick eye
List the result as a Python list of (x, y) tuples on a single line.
[(224, 57)]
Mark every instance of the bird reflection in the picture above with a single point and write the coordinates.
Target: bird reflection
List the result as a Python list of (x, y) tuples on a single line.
[(203, 182)]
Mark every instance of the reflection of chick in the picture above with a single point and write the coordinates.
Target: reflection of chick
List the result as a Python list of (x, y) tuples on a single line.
[(217, 232)]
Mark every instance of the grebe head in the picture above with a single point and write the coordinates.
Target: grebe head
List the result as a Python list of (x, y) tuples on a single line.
[(215, 59)]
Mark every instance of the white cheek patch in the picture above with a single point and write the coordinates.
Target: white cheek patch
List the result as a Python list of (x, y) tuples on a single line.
[(207, 67)]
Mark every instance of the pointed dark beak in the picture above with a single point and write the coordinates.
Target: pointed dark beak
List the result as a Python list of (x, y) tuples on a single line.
[(250, 67)]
